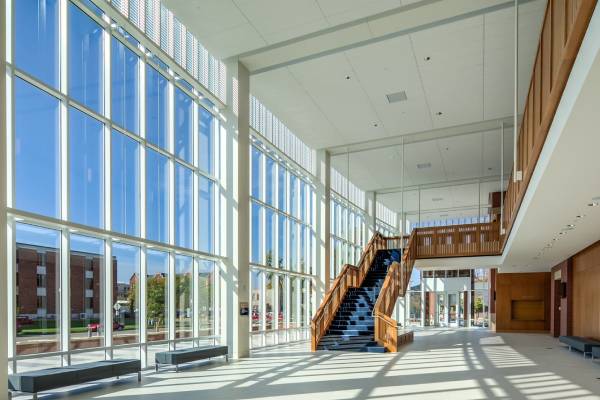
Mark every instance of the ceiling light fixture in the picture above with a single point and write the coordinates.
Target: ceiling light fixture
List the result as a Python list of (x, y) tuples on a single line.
[(593, 204), (438, 113), (347, 77), (580, 216), (424, 165), (428, 58), (437, 199)]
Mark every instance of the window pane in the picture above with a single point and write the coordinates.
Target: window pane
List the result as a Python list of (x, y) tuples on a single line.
[(37, 150), (293, 266), (281, 241), (206, 141), (303, 301), (270, 181), (157, 196), (87, 292), (183, 296), (269, 299), (207, 215), (257, 255), (302, 253), (256, 187), (206, 280), (269, 236), (282, 296), (86, 170), (86, 78), (282, 195), (293, 195), (184, 207), (293, 303), (36, 38), (256, 290), (125, 184), (125, 87), (157, 289), (157, 105), (126, 271), (183, 126), (37, 282)]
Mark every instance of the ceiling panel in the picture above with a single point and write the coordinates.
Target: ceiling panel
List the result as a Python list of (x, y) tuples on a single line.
[(271, 16), (389, 67)]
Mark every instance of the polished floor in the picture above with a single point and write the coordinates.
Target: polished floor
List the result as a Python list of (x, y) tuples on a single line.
[(440, 364)]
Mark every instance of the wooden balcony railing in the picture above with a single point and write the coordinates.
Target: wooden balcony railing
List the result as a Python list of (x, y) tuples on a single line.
[(395, 285), (350, 276), (564, 27), (458, 240)]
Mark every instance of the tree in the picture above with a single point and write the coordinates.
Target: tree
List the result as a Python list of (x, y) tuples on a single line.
[(155, 291)]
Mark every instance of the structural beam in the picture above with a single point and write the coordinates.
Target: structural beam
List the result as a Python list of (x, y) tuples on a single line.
[(394, 23), (422, 136)]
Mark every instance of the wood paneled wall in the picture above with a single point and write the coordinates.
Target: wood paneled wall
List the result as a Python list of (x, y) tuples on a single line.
[(586, 292), (523, 302)]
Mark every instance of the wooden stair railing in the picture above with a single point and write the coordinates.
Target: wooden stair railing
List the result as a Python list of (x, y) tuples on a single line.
[(350, 276), (395, 285)]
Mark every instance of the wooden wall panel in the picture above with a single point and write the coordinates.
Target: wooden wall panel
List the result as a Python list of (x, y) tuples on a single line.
[(523, 302), (586, 292)]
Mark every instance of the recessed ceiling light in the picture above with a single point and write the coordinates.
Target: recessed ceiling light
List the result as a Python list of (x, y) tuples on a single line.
[(593, 204), (437, 199), (428, 58), (347, 77), (570, 225), (561, 233), (438, 113), (375, 124), (580, 216), (424, 165)]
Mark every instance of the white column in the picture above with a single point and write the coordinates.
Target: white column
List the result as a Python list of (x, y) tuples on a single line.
[(236, 221), (323, 226), (3, 196)]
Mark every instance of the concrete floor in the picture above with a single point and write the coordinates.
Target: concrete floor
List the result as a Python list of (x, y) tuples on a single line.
[(440, 364)]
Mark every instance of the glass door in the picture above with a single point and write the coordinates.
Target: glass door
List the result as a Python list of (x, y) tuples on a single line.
[(441, 310), (453, 309)]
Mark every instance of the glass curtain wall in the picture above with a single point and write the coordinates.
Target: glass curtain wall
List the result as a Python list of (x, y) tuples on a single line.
[(348, 234), (283, 246), (114, 182)]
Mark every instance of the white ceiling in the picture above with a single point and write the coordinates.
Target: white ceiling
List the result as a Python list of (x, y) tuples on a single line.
[(454, 176), (468, 78), (462, 69)]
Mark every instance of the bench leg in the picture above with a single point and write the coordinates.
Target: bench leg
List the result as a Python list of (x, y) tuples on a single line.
[(176, 368), (156, 367), (226, 357), (34, 396), (9, 395), (139, 376)]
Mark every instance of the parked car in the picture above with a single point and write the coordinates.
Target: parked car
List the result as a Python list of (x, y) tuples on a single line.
[(24, 320), (94, 326)]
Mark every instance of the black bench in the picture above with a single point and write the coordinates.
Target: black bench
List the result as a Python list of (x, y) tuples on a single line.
[(595, 352), (582, 344), (53, 378), (183, 356)]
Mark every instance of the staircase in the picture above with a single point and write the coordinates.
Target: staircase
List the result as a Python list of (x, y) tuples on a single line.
[(352, 328)]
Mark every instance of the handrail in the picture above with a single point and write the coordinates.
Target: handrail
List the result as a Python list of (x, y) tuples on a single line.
[(481, 239), (350, 276), (395, 285)]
